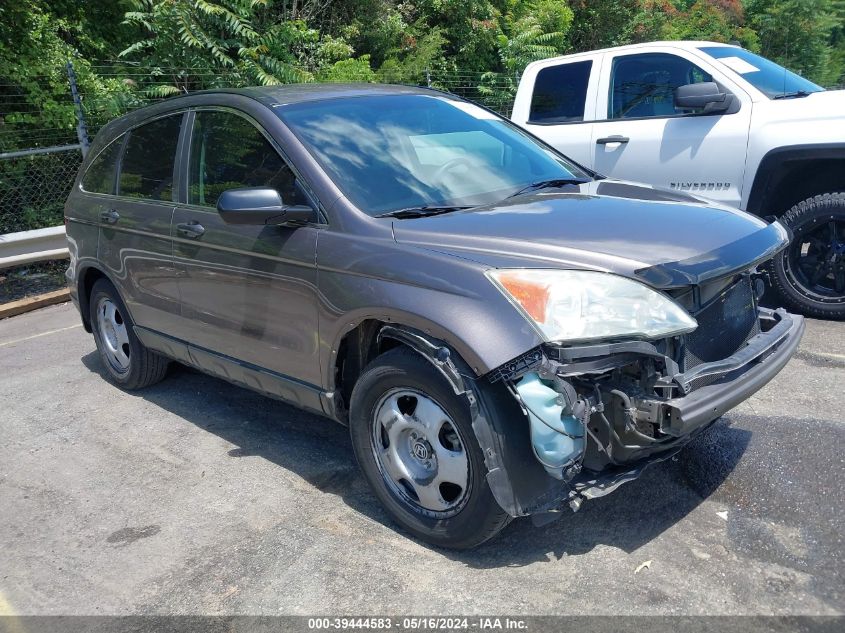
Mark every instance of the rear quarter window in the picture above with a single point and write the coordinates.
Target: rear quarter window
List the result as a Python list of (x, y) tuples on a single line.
[(100, 176), (560, 93)]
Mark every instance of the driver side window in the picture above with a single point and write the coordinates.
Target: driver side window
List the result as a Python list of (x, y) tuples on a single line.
[(644, 85), (229, 152)]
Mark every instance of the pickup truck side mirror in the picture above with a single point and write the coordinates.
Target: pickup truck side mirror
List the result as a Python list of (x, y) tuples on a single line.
[(261, 205), (706, 96)]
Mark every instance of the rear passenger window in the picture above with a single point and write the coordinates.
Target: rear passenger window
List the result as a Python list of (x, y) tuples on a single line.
[(146, 170), (560, 93), (100, 175), (644, 85), (229, 152)]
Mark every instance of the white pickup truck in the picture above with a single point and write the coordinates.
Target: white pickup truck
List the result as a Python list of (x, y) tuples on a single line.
[(713, 120)]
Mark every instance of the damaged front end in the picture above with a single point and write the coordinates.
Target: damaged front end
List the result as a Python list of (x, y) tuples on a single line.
[(599, 413)]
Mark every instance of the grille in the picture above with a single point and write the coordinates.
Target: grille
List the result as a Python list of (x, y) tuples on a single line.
[(724, 325)]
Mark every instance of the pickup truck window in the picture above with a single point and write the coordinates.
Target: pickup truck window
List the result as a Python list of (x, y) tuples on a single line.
[(771, 79), (560, 93), (644, 85)]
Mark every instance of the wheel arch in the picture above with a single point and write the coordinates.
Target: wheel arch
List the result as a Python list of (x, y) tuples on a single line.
[(369, 337), (87, 276), (788, 175)]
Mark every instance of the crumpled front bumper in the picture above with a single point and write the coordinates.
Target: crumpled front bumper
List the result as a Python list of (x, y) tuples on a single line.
[(740, 376), (680, 409)]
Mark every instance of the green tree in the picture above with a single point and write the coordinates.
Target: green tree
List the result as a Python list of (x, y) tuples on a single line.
[(35, 102), (799, 34), (201, 43), (712, 20)]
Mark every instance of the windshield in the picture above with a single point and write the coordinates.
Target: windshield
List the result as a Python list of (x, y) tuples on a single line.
[(391, 152), (768, 77)]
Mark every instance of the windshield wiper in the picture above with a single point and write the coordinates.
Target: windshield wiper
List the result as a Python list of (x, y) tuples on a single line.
[(420, 212), (793, 95), (547, 184)]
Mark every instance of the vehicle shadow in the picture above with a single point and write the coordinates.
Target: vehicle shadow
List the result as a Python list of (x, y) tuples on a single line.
[(319, 451)]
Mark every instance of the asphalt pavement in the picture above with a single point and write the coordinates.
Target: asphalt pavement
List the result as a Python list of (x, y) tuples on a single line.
[(198, 497)]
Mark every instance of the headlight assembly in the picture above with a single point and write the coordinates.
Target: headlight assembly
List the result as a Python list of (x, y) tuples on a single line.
[(577, 305)]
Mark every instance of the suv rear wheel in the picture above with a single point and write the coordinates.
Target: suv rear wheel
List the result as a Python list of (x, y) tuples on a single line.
[(414, 441), (810, 273), (128, 363)]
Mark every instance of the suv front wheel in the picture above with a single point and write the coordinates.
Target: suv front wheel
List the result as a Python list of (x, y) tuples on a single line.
[(414, 441), (810, 273)]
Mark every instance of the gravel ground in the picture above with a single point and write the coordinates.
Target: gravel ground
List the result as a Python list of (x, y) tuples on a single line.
[(197, 497)]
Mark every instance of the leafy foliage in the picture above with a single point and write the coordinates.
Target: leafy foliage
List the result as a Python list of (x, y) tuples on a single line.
[(153, 49), (205, 37)]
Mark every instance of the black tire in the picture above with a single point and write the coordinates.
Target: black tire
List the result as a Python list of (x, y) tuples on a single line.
[(142, 366), (479, 517), (809, 275)]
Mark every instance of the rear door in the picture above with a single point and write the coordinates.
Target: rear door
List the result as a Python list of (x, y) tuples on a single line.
[(134, 240), (248, 292), (559, 109), (644, 138)]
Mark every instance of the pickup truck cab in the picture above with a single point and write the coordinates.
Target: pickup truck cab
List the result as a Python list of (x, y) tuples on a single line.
[(713, 120)]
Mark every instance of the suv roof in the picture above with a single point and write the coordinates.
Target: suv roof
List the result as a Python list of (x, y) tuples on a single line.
[(298, 93), (271, 96)]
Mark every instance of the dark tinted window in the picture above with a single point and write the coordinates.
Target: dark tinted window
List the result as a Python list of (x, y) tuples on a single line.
[(765, 75), (560, 93), (644, 85), (100, 175), (229, 152), (146, 170)]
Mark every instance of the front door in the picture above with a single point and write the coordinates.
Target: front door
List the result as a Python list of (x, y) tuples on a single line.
[(248, 292), (645, 139)]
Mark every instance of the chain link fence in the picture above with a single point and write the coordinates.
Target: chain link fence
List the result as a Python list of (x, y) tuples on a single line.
[(34, 185)]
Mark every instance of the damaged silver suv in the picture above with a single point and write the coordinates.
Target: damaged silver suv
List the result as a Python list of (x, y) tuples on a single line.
[(505, 333)]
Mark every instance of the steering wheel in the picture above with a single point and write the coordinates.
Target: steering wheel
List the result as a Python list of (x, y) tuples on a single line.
[(449, 165)]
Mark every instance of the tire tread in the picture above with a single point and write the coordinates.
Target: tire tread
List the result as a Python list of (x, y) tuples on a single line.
[(818, 204)]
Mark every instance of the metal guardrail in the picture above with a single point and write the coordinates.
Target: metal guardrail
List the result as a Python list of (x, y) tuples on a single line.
[(38, 245)]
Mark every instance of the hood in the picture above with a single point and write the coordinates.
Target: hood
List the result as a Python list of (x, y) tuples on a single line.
[(665, 238), (828, 105)]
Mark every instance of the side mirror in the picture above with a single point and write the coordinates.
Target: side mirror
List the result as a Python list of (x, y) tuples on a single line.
[(261, 205), (705, 96)]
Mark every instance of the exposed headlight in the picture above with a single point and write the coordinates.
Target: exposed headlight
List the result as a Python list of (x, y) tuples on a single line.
[(576, 305)]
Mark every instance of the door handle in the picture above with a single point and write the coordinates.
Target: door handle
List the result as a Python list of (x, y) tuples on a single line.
[(607, 140), (192, 229), (110, 217)]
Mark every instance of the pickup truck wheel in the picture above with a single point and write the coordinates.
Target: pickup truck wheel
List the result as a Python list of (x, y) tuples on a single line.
[(414, 442), (810, 273), (127, 362)]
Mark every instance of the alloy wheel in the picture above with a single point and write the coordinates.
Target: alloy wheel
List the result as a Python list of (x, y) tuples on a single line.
[(816, 260)]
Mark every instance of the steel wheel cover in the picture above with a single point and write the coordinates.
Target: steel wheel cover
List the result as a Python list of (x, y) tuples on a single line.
[(420, 453), (113, 334)]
